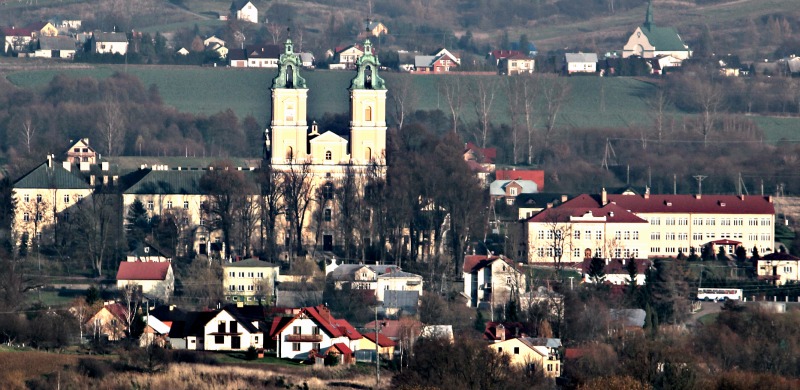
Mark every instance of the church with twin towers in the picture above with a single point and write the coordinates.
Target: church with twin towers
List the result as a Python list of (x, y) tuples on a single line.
[(290, 141)]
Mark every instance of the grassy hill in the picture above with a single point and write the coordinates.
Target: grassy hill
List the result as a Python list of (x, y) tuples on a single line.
[(596, 102)]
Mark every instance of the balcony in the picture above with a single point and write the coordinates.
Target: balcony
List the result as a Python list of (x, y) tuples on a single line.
[(310, 338)]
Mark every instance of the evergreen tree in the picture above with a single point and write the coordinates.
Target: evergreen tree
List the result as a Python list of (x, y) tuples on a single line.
[(721, 255), (668, 292), (524, 44), (512, 311), (755, 256), (480, 322), (693, 254), (597, 271), (137, 224), (681, 256), (707, 253), (630, 266), (741, 253)]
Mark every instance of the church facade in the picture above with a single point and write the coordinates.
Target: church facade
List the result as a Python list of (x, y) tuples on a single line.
[(651, 41), (292, 147)]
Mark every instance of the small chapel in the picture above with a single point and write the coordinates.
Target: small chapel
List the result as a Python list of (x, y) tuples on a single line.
[(651, 41)]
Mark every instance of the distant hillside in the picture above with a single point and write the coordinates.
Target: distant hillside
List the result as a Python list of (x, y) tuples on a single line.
[(752, 28)]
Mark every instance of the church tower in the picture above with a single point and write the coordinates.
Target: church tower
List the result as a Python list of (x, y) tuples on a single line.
[(288, 141), (367, 111)]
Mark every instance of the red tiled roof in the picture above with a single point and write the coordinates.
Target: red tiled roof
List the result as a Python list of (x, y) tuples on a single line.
[(321, 315), (489, 154), (347, 329), (394, 328), (615, 266), (383, 341), (116, 309), (705, 204), (340, 49), (779, 256), (574, 353), (512, 330), (344, 349), (613, 214), (505, 53), (725, 242), (278, 324), (135, 270), (16, 32), (534, 175)]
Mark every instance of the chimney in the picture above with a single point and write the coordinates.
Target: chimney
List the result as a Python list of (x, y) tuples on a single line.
[(550, 205), (67, 165), (91, 180), (563, 198), (647, 192), (741, 196), (49, 160), (623, 261), (606, 261), (698, 196), (500, 332), (603, 197), (769, 198)]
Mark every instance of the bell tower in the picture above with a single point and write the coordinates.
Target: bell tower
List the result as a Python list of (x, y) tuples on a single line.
[(286, 138), (367, 111)]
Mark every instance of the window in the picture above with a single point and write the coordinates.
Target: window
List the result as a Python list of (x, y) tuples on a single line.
[(697, 236), (508, 281), (297, 330), (549, 234), (260, 275), (368, 114), (627, 235), (219, 339), (315, 330), (327, 191), (295, 346), (655, 221), (635, 234), (315, 346), (683, 221), (711, 221), (169, 204), (738, 222), (38, 198), (512, 191), (241, 287), (80, 198), (328, 213), (599, 235), (618, 235), (576, 252), (710, 235), (251, 288), (231, 288), (683, 236), (697, 222), (598, 252), (540, 252), (540, 234), (328, 155), (618, 253), (241, 274), (232, 274), (787, 269), (577, 234), (752, 222), (588, 234), (510, 201), (765, 222), (725, 221), (670, 236), (149, 204), (39, 216), (27, 198), (26, 217), (655, 250), (670, 221), (186, 205), (66, 198), (516, 350)]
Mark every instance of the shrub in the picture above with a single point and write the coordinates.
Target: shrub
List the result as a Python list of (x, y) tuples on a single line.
[(251, 354), (94, 368)]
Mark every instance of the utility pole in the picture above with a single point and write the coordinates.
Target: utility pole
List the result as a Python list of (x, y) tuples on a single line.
[(699, 179), (377, 353)]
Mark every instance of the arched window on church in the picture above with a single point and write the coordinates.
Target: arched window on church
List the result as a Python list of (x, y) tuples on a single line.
[(368, 77), (289, 117), (289, 153), (327, 191), (328, 155), (289, 77), (368, 154), (368, 114)]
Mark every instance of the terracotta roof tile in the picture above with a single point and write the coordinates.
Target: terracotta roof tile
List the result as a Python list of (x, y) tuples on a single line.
[(135, 270)]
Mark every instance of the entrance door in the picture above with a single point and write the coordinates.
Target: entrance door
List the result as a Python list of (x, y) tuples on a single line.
[(236, 342), (327, 242)]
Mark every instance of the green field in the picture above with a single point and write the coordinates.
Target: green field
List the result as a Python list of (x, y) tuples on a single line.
[(596, 102)]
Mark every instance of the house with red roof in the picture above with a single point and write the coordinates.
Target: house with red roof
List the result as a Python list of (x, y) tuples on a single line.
[(566, 234), (641, 226), (109, 322), (492, 280), (313, 331), (534, 175), (151, 278), (366, 347), (17, 39)]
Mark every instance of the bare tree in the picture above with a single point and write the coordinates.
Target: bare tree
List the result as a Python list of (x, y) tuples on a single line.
[(297, 196), (515, 96), (272, 206), (96, 228), (529, 95), (27, 131), (482, 101), (555, 91), (228, 193), (112, 127), (658, 104), (452, 94), (276, 32), (707, 96), (403, 98)]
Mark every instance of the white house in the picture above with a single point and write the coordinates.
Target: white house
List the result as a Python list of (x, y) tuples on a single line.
[(244, 10), (616, 271), (312, 330), (491, 280), (223, 330), (581, 62), (113, 43), (152, 278)]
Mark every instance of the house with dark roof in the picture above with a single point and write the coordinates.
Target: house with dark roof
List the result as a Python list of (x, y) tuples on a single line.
[(109, 43), (237, 58), (145, 252), (311, 331), (224, 329), (56, 47), (778, 268), (263, 56), (580, 62), (491, 280), (45, 195), (151, 278), (377, 278), (651, 41), (441, 61)]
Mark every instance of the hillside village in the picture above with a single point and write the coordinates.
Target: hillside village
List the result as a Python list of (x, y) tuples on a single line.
[(363, 247)]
